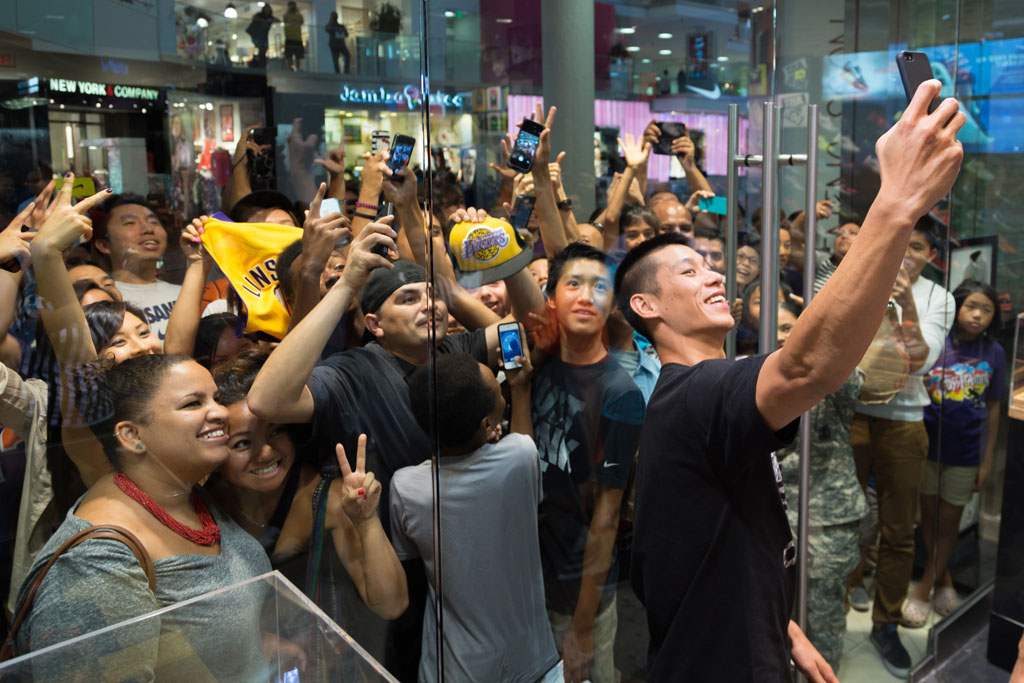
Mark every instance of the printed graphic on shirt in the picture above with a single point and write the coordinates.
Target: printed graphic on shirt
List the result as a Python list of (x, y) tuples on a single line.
[(554, 414), (157, 317), (789, 551), (961, 382)]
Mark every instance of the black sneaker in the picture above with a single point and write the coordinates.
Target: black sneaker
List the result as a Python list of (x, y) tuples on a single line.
[(886, 640)]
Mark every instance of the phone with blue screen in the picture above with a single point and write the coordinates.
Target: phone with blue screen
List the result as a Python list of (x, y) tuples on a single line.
[(511, 345)]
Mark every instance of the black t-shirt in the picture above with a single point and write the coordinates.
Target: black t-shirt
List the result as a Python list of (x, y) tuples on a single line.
[(713, 556), (365, 391), (586, 423)]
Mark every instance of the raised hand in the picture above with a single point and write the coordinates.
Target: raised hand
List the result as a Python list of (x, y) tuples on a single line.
[(555, 170), (301, 149), (684, 150), (920, 157), (635, 151), (403, 192), (543, 155), (651, 133), (507, 174), (362, 260), (192, 242), (334, 161), (468, 215), (693, 203), (360, 491), (248, 144), (321, 234), (823, 209), (14, 244), (67, 223)]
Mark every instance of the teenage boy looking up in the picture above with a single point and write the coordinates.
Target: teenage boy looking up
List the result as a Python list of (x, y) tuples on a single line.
[(135, 241), (587, 413), (498, 628), (713, 556)]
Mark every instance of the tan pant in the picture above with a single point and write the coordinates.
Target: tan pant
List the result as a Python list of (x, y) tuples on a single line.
[(894, 453), (602, 667)]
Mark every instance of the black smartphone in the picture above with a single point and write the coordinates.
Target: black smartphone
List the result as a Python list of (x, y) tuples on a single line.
[(401, 152), (670, 130), (915, 69), (522, 209), (525, 148), (389, 210), (511, 345)]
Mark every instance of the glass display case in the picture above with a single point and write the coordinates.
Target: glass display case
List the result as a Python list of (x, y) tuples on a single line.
[(1017, 377), (262, 629)]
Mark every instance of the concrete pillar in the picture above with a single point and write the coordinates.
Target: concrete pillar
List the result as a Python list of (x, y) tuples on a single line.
[(567, 36)]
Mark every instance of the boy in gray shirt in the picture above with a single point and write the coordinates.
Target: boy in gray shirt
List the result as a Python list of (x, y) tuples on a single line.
[(496, 625)]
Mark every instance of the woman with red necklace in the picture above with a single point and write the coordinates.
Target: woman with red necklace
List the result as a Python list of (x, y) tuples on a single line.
[(163, 432)]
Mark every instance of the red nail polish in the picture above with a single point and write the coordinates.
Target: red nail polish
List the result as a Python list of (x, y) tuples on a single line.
[(361, 492)]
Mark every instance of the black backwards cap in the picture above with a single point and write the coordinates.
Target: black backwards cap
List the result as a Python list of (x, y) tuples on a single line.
[(384, 282)]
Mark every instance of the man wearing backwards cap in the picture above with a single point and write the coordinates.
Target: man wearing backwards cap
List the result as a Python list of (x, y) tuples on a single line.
[(363, 390)]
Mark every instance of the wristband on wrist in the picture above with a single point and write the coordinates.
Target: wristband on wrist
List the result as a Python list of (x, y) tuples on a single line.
[(367, 216), (564, 205), (364, 205)]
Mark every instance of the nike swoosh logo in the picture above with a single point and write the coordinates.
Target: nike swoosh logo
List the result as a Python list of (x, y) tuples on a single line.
[(710, 94), (611, 464)]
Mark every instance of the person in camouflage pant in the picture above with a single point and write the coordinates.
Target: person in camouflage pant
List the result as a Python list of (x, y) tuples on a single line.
[(834, 510)]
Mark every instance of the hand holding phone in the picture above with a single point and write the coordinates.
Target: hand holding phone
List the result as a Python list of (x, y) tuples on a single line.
[(525, 148), (716, 205), (522, 210), (915, 69)]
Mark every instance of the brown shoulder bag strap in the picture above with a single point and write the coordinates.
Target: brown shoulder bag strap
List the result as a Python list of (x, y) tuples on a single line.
[(108, 531)]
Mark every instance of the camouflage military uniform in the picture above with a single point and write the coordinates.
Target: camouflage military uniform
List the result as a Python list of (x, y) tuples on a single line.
[(835, 508)]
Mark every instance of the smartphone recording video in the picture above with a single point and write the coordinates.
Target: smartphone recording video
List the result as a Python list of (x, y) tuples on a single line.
[(401, 152), (525, 147)]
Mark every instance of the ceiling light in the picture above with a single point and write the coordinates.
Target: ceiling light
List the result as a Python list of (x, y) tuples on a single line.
[(664, 52), (230, 12), (201, 22), (664, 36), (260, 4), (627, 30), (632, 48), (449, 14), (98, 105), (234, 36), (723, 58), (645, 60), (504, 21), (143, 110)]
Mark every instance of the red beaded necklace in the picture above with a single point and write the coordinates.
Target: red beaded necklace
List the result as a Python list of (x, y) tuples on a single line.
[(208, 535)]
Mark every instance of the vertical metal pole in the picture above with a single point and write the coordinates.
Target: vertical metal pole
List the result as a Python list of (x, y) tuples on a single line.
[(769, 235), (435, 455), (810, 242), (731, 222)]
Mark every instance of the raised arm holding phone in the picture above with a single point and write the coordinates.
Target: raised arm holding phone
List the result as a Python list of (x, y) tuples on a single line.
[(738, 412)]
